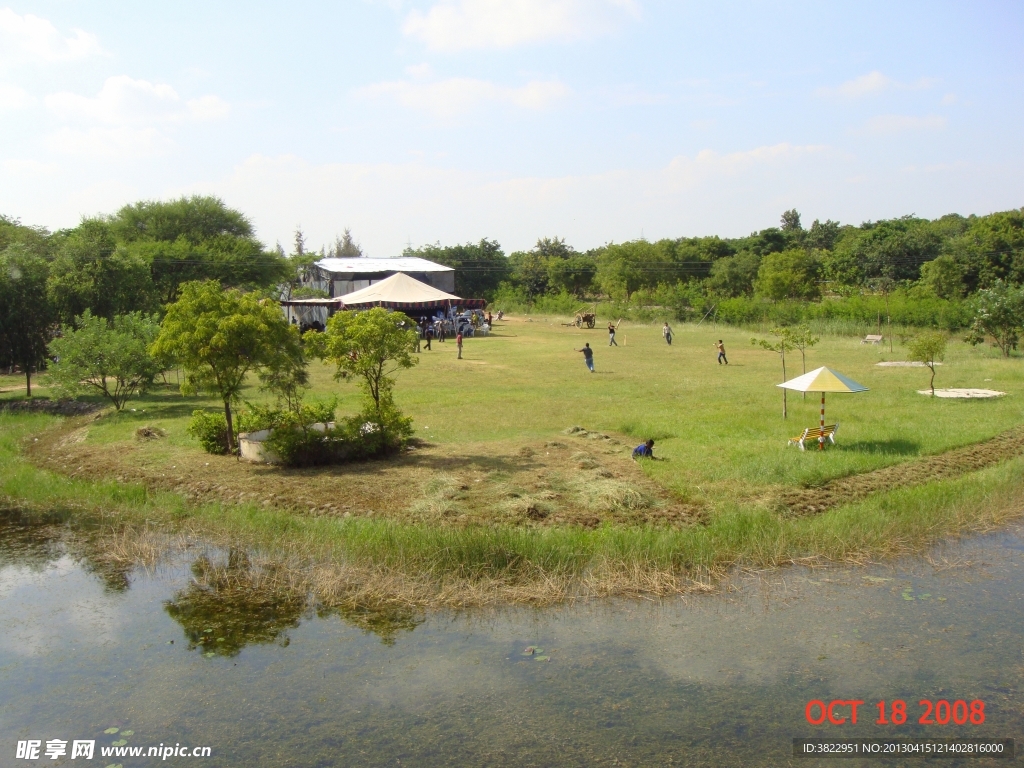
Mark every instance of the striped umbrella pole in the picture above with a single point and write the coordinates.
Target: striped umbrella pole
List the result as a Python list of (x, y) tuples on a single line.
[(821, 436)]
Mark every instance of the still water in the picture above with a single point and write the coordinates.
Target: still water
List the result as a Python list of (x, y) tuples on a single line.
[(264, 680)]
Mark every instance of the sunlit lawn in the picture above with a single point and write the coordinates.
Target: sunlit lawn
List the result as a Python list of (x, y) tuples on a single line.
[(719, 427)]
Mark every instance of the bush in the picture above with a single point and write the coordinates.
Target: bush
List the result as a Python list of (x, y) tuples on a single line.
[(211, 430)]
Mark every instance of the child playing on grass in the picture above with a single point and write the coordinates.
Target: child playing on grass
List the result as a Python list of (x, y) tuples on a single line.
[(667, 333), (644, 451), (721, 353), (588, 356)]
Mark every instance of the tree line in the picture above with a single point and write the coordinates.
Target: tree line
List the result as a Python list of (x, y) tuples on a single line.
[(950, 258), (127, 268)]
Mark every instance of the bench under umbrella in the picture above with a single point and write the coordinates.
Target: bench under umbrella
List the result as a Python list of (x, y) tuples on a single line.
[(822, 380)]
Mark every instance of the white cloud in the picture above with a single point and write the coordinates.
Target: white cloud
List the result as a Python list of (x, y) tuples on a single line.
[(12, 97), (125, 142), (125, 101), (31, 39), (872, 83), (449, 98), (887, 125), (453, 25)]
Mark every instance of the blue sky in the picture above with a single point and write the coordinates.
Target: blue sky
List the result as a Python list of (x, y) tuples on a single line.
[(452, 120)]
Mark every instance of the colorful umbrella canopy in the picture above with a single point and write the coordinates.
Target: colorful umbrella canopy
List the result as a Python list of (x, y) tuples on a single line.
[(822, 380)]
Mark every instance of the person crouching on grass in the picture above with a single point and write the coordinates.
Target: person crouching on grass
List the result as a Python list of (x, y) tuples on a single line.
[(644, 451), (588, 356)]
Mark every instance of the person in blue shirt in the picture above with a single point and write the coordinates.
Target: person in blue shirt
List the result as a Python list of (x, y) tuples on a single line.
[(588, 356), (644, 451)]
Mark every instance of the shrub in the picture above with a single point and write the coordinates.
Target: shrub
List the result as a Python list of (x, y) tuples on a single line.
[(210, 429)]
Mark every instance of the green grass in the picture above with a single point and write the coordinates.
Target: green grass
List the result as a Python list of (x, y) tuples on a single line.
[(720, 427)]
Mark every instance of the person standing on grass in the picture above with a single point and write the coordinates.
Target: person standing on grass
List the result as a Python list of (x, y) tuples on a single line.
[(588, 356), (721, 353), (458, 343), (667, 333), (441, 330), (428, 334), (611, 336)]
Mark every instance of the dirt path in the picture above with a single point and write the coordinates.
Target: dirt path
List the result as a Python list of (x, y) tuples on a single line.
[(959, 461)]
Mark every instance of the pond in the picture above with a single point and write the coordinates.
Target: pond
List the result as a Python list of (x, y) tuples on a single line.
[(192, 654)]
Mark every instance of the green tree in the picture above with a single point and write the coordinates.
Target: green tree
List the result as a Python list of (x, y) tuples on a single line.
[(107, 356), (785, 342), (218, 336), (345, 246), (944, 276), (90, 271), (625, 268), (573, 274), (999, 313), (928, 348), (789, 274), (371, 346), (735, 275), (479, 267), (196, 238), (26, 315), (823, 236)]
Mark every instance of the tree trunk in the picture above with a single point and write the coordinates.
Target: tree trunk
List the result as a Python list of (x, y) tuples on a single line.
[(28, 382), (231, 432), (784, 379), (932, 382)]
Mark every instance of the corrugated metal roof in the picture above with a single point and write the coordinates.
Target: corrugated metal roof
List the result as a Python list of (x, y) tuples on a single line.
[(360, 265)]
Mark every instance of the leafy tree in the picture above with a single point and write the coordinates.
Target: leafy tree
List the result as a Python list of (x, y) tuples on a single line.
[(479, 267), (928, 348), (371, 346), (944, 276), (785, 343), (26, 315), (218, 336), (999, 313), (802, 339), (823, 236), (895, 248), (345, 246), (529, 272), (623, 269), (789, 274), (108, 356), (735, 275), (196, 238), (573, 274), (791, 222), (91, 272), (34, 240)]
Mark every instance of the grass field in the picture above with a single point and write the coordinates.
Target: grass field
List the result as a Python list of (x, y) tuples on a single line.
[(460, 510)]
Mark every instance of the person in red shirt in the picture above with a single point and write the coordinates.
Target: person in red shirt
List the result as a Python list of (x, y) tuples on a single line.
[(458, 342)]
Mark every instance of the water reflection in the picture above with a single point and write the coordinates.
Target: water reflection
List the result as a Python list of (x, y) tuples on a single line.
[(719, 680), (225, 608)]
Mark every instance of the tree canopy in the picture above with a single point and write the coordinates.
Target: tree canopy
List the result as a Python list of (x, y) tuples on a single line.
[(218, 336)]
